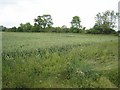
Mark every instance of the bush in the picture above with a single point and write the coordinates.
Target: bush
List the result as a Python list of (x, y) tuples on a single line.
[(101, 31), (93, 31)]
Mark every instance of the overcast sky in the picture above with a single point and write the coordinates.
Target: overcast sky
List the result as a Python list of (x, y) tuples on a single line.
[(14, 12)]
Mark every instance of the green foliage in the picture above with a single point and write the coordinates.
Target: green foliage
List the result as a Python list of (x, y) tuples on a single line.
[(75, 23), (25, 27), (98, 30), (44, 21), (48, 60), (93, 31), (2, 28), (106, 22)]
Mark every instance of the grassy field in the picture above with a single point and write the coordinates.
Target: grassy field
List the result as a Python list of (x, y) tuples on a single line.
[(59, 60)]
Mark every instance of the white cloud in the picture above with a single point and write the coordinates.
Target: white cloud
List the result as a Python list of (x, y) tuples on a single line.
[(14, 12)]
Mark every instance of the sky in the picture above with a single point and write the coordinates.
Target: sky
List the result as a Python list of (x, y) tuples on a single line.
[(14, 12)]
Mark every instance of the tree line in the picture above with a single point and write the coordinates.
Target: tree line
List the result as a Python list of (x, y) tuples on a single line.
[(105, 23)]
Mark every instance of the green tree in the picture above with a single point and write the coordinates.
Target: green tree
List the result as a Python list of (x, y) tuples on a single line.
[(14, 29), (106, 21), (44, 21), (25, 27), (75, 24), (2, 28), (64, 29)]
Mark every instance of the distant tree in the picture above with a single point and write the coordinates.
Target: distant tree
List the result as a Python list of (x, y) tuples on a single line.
[(75, 24), (14, 29), (44, 21), (106, 21), (28, 27), (58, 29), (64, 29), (2, 28), (47, 21), (19, 29), (25, 27), (39, 21)]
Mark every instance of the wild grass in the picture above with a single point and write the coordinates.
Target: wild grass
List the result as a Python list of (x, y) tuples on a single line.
[(48, 60)]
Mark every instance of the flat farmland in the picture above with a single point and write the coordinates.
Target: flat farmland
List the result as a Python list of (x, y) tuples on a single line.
[(59, 60)]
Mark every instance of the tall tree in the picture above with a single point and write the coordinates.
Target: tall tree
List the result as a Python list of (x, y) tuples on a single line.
[(2, 28), (75, 23), (44, 21), (47, 21), (106, 20), (25, 27)]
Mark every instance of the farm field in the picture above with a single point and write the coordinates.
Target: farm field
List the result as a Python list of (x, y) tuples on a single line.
[(59, 60)]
